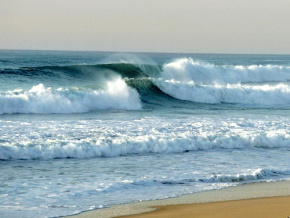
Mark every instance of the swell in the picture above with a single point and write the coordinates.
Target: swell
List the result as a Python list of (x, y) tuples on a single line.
[(123, 69)]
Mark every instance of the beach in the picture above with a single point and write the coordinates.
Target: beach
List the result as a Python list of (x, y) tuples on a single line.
[(266, 199), (84, 131), (265, 207), (144, 109)]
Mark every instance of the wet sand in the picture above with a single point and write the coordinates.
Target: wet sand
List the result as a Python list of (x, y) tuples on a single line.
[(267, 199), (258, 208)]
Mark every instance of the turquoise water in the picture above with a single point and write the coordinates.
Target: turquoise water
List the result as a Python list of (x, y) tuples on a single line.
[(87, 130)]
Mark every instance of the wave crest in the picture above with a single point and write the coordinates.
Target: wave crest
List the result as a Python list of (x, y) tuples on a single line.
[(194, 81), (185, 70), (42, 100), (267, 95)]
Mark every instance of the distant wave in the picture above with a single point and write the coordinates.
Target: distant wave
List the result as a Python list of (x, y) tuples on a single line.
[(42, 100), (183, 70), (263, 95), (123, 69), (186, 70)]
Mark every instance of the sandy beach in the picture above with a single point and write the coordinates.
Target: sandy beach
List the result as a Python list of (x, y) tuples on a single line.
[(144, 108), (267, 199), (260, 207)]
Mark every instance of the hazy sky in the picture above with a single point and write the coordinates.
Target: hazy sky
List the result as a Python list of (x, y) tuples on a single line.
[(206, 26)]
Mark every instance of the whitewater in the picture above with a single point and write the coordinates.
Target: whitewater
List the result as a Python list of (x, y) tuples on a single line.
[(87, 130)]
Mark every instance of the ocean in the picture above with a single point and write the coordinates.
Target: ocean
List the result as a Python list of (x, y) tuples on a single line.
[(87, 130)]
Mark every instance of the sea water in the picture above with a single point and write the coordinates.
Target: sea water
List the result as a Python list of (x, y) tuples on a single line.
[(86, 130)]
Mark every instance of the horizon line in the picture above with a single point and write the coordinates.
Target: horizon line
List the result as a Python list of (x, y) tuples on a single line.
[(142, 52)]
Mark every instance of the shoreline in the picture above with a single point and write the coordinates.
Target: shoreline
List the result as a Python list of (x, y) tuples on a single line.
[(277, 191)]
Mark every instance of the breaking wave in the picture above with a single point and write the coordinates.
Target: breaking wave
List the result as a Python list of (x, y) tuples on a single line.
[(182, 79), (186, 70), (256, 175), (115, 144), (267, 95), (42, 100), (186, 79)]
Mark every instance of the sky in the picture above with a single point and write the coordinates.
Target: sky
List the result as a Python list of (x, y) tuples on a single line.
[(189, 26)]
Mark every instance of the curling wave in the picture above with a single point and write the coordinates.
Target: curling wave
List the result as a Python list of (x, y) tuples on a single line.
[(76, 71), (188, 80), (164, 86), (267, 95)]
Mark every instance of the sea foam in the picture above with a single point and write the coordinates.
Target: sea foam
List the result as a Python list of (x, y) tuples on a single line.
[(44, 100), (186, 69), (189, 80), (138, 145), (269, 95), (93, 138)]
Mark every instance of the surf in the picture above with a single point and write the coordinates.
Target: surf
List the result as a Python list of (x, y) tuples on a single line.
[(46, 100), (254, 85), (142, 84)]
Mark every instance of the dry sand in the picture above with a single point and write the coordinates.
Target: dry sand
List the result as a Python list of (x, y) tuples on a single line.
[(271, 199)]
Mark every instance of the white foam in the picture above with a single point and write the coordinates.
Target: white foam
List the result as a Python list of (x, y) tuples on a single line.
[(185, 70), (190, 80), (270, 95), (45, 100), (259, 174), (84, 140)]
